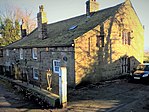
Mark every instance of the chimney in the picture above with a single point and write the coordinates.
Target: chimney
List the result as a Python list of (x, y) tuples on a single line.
[(42, 23), (91, 6), (23, 29)]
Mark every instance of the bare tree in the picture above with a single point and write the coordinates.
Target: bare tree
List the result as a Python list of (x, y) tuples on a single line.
[(10, 21), (29, 22)]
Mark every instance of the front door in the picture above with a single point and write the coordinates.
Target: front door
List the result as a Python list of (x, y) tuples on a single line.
[(124, 65)]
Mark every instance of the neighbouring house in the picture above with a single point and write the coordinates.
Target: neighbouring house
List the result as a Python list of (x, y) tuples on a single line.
[(98, 45)]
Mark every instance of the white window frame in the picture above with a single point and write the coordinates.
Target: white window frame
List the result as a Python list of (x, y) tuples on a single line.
[(7, 52), (34, 53), (21, 53), (34, 72), (56, 64)]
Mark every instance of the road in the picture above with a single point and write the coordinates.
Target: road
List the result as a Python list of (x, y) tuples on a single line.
[(111, 96)]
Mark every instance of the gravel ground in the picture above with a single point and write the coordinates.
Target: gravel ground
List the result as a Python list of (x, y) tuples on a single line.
[(110, 96)]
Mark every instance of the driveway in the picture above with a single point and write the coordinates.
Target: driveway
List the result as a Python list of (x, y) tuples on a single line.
[(111, 96)]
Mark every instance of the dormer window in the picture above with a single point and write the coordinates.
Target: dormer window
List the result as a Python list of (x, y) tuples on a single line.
[(21, 53), (34, 53)]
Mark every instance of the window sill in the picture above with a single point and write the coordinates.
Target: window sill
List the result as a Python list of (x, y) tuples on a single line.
[(35, 78)]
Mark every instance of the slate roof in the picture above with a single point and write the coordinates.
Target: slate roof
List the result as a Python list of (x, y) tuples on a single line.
[(59, 33)]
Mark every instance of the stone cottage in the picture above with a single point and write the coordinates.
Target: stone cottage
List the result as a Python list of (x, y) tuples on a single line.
[(98, 45)]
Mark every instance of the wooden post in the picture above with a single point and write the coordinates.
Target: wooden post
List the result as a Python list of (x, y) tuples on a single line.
[(63, 86)]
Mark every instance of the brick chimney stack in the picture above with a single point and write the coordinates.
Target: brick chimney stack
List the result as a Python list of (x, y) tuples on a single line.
[(91, 6), (42, 23), (23, 29)]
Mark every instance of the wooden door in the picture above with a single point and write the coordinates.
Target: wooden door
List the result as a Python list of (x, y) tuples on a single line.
[(124, 65)]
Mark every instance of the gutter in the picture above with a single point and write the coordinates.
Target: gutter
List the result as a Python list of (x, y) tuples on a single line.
[(29, 47)]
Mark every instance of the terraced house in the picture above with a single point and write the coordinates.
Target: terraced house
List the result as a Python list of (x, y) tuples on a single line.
[(98, 45)]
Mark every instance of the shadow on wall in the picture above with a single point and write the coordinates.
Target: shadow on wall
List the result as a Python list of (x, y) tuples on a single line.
[(102, 72), (102, 66)]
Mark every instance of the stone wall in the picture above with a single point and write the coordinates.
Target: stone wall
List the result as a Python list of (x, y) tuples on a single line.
[(44, 62), (85, 55), (95, 61)]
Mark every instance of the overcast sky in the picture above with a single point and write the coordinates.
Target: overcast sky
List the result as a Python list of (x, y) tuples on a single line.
[(62, 9)]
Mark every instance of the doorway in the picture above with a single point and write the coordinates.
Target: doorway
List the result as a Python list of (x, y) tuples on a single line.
[(125, 65)]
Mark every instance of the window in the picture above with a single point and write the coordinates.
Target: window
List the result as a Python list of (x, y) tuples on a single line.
[(21, 53), (35, 73), (129, 38), (7, 52), (126, 38), (34, 53), (56, 66), (100, 40), (89, 45), (7, 65), (1, 52)]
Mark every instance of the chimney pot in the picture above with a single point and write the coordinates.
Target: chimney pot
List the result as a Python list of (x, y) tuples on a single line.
[(42, 23), (91, 6), (23, 29)]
